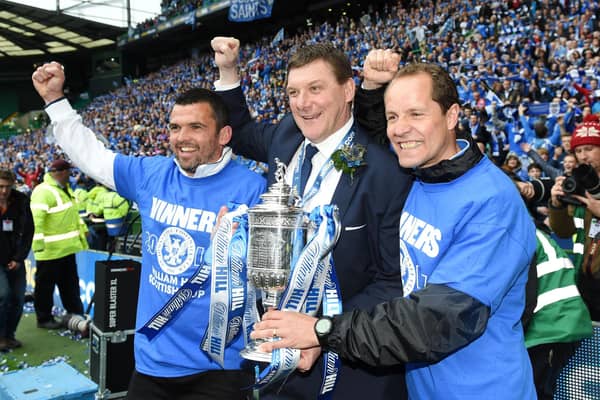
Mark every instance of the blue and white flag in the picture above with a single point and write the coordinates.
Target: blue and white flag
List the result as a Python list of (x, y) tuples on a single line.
[(574, 73), (252, 61), (278, 37), (447, 27), (190, 19), (493, 97), (548, 109), (249, 10)]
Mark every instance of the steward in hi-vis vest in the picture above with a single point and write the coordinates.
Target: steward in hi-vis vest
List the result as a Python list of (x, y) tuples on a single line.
[(59, 234), (115, 209), (59, 231)]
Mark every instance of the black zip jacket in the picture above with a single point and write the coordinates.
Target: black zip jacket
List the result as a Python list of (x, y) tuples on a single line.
[(15, 244)]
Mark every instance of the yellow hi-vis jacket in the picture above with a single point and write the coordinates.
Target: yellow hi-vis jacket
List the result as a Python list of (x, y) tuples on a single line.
[(81, 195), (94, 202), (115, 209), (59, 231)]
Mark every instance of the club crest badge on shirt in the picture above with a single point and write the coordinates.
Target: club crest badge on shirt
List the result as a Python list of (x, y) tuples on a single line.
[(175, 250), (408, 269)]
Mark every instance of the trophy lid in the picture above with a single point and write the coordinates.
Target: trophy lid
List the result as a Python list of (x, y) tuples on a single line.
[(280, 196)]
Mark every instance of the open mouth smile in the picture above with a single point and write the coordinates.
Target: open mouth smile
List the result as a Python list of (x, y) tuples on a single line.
[(409, 145)]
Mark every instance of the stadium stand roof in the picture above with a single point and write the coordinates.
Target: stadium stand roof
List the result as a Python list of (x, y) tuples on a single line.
[(31, 31)]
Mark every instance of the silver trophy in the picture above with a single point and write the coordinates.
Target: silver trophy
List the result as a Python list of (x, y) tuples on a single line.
[(273, 228)]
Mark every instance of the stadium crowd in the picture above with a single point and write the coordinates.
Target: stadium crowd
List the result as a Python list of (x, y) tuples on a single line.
[(171, 9), (526, 71)]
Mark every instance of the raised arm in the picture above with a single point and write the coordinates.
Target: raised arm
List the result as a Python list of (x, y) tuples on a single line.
[(78, 141), (249, 138), (379, 68), (546, 167)]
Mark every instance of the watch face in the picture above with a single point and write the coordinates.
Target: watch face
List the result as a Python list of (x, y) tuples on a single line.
[(323, 326)]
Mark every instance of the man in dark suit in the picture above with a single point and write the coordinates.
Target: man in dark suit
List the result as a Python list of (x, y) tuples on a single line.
[(370, 199), (508, 95), (479, 133)]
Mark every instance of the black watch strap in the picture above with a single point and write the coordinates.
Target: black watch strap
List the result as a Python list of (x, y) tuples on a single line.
[(323, 328)]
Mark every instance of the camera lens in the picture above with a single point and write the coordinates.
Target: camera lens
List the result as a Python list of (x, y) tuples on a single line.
[(569, 185), (76, 323), (541, 189)]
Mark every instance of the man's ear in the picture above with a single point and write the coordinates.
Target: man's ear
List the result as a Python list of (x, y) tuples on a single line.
[(452, 116), (225, 135), (349, 90)]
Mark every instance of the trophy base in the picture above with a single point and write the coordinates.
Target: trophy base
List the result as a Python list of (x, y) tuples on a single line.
[(251, 352)]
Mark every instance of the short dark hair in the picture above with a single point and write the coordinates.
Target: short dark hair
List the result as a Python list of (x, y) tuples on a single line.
[(534, 165), (323, 51), (444, 90), (8, 175), (201, 95)]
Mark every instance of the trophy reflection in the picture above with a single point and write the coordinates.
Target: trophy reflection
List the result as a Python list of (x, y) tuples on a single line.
[(276, 229)]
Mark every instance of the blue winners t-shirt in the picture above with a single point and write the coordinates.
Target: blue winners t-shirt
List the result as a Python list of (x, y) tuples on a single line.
[(178, 214), (474, 235)]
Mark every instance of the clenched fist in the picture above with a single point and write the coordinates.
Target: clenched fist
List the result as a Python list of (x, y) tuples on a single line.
[(227, 51), (49, 80), (380, 67)]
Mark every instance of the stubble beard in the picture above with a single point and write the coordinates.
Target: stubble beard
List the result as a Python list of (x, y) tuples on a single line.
[(190, 168)]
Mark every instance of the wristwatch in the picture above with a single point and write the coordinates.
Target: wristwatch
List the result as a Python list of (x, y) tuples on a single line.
[(323, 328)]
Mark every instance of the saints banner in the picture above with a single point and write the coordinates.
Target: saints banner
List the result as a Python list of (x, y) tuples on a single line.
[(249, 10)]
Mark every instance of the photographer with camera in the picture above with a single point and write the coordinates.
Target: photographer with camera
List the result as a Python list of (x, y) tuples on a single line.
[(575, 209)]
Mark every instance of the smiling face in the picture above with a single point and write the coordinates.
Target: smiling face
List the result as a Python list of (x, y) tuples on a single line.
[(534, 172), (420, 133), (320, 104), (569, 163), (512, 162), (194, 137)]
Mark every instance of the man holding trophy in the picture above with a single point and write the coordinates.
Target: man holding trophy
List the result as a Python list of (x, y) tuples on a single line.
[(330, 160)]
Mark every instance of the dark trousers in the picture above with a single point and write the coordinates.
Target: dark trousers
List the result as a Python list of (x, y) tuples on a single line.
[(61, 272), (354, 382), (547, 361), (12, 297), (97, 238), (210, 385)]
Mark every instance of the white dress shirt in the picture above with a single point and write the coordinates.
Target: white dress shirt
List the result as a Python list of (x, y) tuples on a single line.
[(329, 183)]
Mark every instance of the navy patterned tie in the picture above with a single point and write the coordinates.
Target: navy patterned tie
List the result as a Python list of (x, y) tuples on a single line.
[(307, 166)]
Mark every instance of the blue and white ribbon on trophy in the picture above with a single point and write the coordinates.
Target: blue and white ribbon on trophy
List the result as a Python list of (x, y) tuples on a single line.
[(176, 303), (228, 284), (325, 289), (312, 279), (332, 305)]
